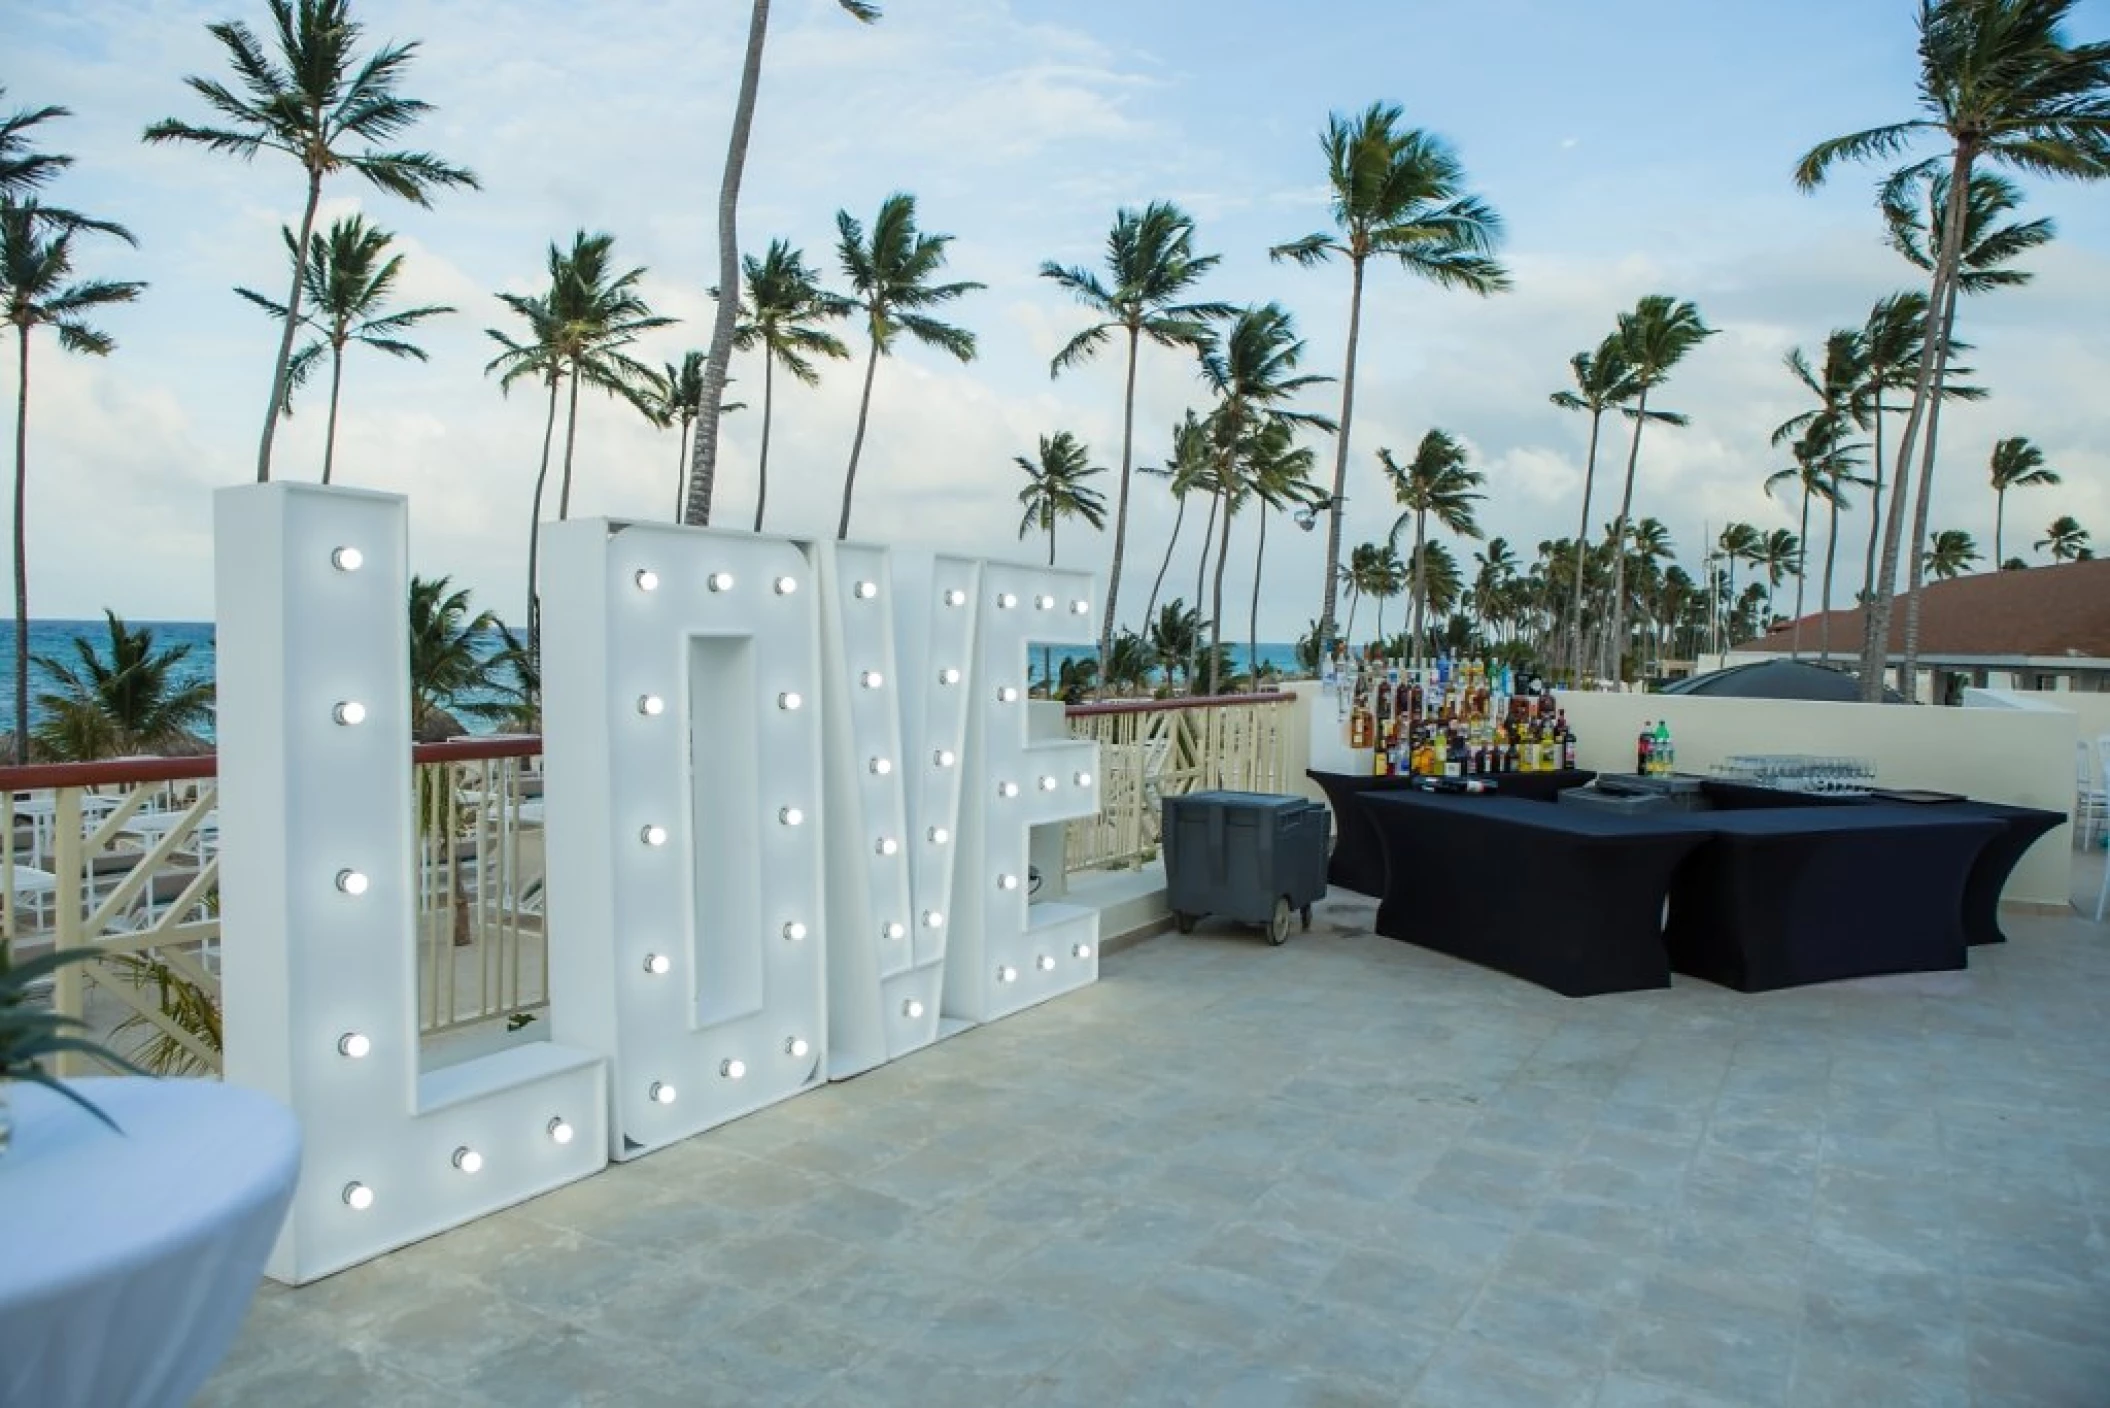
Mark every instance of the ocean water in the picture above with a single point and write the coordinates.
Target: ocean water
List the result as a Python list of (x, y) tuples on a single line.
[(57, 639)]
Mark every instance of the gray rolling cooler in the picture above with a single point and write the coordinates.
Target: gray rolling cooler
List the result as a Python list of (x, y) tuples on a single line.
[(1250, 856)]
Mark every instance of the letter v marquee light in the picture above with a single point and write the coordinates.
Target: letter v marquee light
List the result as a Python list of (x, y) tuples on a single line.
[(681, 690), (319, 898)]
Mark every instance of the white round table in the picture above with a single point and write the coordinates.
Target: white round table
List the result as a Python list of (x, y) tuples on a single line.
[(127, 1262)]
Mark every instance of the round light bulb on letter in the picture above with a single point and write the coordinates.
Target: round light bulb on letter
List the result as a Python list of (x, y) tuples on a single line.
[(1047, 784), (1006, 600), (1044, 603), (1081, 951), (787, 585), (796, 1046), (354, 1045), (790, 816), (560, 1131), (880, 767), (647, 580), (892, 930), (358, 1197), (721, 581), (661, 1093), (867, 590), (948, 675), (944, 758), (794, 931), (658, 964), (1006, 695), (887, 846), (651, 705), (1007, 882), (733, 1070), (1081, 608), (871, 679), (932, 919), (912, 1009), (352, 882), (1007, 974), (1046, 962), (939, 835), (955, 597), (347, 559), (468, 1160), (653, 835), (1007, 789), (350, 713), (788, 700), (1083, 779)]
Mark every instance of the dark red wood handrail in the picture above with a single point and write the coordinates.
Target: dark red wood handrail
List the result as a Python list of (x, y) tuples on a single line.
[(1155, 706), (118, 772)]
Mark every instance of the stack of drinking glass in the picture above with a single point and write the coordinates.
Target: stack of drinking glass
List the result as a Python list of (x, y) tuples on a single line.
[(1800, 772)]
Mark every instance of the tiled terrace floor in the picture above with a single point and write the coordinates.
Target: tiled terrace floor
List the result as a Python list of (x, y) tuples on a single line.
[(1346, 1171)]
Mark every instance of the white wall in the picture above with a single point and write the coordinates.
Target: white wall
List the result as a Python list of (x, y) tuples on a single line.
[(1994, 755), (2091, 711)]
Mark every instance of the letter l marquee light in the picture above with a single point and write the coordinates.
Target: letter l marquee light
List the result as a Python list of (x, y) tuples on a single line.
[(319, 899)]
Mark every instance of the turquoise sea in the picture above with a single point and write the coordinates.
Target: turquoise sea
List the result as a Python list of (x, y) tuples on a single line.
[(56, 639)]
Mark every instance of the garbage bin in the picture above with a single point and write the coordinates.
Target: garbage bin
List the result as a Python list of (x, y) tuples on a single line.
[(1249, 856)]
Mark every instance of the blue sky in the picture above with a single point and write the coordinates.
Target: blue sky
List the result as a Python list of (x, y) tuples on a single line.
[(1633, 146)]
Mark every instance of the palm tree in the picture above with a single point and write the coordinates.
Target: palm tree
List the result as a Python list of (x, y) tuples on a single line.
[(1385, 578), (1186, 471), (450, 660), (1950, 554), (1055, 490), (1437, 480), (1915, 218), (1176, 636), (135, 700), (1151, 260), (308, 102), (1278, 475), (1999, 83), (346, 283), (24, 172), (891, 276), (1397, 194), (1655, 337), (1603, 381), (1128, 664), (1496, 565), (1441, 584), (1823, 467), (1739, 542), (1892, 341), (35, 267), (781, 306), (681, 401), (539, 354), (1778, 553), (2066, 539), (2016, 464), (1252, 371), (703, 475)]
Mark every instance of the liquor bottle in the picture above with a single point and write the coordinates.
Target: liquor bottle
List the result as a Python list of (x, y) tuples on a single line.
[(1664, 754), (1381, 761), (1646, 746), (1381, 715), (1567, 736), (1454, 756), (1360, 733)]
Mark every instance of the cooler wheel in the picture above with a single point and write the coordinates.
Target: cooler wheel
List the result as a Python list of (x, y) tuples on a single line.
[(1278, 922)]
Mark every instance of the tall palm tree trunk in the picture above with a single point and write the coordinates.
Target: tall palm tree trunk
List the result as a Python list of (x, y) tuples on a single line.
[(329, 434), (1582, 536), (1824, 622), (1216, 606), (1616, 631), (857, 441), (1201, 570), (22, 549), (1875, 644), (1047, 654), (1150, 611), (703, 472), (1128, 434), (1340, 451), (1923, 504), (1421, 581), (534, 598), (285, 338), (769, 406), (1875, 512), (1355, 599), (1252, 625), (571, 438), (1802, 572), (1999, 522), (681, 467)]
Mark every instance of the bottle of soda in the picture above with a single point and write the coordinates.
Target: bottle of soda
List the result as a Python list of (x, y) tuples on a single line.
[(1664, 754), (1644, 748)]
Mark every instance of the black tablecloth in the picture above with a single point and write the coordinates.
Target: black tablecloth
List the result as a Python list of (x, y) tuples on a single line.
[(2021, 828), (1570, 899), (1788, 896), (1358, 863)]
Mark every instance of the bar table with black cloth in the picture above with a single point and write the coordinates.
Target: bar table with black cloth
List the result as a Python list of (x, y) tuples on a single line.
[(2021, 828), (1571, 899), (1787, 896), (1358, 863)]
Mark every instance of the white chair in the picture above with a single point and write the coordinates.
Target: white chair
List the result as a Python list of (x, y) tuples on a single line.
[(2091, 798), (2102, 780)]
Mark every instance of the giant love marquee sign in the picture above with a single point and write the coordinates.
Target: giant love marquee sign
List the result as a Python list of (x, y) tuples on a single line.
[(790, 792)]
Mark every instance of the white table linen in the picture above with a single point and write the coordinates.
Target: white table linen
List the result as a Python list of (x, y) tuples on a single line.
[(127, 1262)]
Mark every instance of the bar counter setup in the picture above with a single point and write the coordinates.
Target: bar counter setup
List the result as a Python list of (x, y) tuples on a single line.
[(1764, 888)]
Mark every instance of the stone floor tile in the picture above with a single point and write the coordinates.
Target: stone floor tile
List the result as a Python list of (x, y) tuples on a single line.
[(1469, 1374), (1712, 1345), (2016, 1369)]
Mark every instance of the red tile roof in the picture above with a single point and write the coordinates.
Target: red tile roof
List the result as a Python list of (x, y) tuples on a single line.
[(2061, 611)]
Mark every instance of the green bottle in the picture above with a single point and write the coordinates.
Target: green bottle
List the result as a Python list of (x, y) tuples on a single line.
[(1663, 756)]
